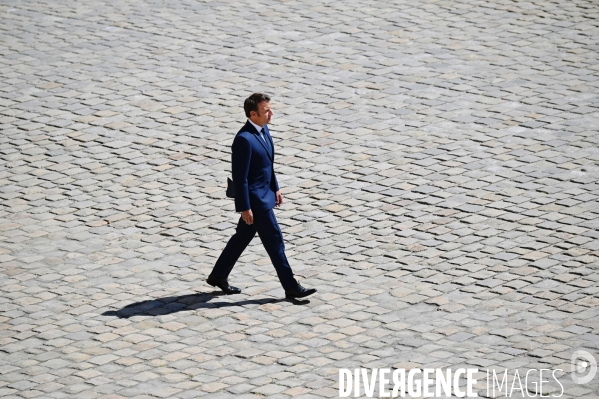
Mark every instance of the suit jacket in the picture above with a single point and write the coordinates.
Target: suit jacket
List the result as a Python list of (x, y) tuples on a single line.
[(253, 170)]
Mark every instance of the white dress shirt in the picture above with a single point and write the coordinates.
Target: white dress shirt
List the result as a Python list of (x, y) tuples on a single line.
[(259, 129)]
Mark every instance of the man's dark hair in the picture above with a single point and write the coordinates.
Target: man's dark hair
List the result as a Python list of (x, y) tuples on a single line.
[(251, 103)]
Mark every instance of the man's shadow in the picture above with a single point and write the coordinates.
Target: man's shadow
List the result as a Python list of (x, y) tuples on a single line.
[(173, 304)]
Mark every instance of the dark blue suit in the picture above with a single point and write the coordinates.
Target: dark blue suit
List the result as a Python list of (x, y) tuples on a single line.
[(254, 177), (255, 184)]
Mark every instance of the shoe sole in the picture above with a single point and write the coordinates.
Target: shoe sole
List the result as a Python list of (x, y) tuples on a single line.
[(299, 297), (228, 293)]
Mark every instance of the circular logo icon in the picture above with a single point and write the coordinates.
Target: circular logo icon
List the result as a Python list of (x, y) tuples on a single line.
[(585, 367)]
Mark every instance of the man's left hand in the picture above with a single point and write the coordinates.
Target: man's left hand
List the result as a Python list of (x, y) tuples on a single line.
[(278, 199)]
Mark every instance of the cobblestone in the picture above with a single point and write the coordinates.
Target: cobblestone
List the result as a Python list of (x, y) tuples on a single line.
[(438, 160)]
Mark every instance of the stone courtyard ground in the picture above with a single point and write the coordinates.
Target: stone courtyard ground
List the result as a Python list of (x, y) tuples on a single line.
[(438, 160)]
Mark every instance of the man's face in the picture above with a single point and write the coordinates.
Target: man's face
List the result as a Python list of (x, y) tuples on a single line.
[(262, 117)]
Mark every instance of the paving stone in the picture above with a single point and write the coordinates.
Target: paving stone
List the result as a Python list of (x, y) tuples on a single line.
[(438, 162)]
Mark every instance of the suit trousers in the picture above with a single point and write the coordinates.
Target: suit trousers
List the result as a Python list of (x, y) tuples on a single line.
[(265, 224)]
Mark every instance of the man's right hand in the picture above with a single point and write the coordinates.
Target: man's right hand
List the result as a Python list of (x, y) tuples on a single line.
[(248, 216)]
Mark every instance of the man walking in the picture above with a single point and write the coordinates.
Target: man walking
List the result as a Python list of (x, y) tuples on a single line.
[(256, 194)]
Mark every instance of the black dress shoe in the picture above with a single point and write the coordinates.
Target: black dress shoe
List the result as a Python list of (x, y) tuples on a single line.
[(299, 292), (223, 285)]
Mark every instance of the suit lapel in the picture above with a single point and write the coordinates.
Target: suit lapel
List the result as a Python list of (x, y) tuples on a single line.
[(262, 143)]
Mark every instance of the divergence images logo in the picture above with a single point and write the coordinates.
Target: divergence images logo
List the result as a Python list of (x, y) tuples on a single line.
[(585, 367)]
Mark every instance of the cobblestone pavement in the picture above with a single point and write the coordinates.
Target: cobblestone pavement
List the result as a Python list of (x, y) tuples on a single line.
[(438, 158)]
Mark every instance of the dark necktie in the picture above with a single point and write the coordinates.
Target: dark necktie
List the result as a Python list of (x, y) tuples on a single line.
[(266, 141)]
